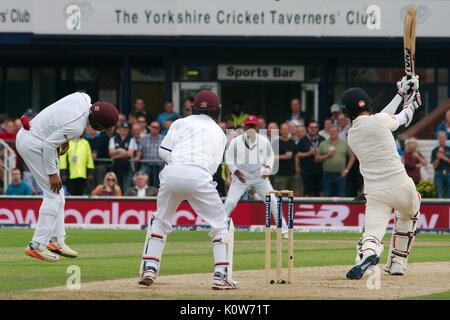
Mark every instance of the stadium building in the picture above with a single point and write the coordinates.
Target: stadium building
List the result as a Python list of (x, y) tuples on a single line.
[(262, 53)]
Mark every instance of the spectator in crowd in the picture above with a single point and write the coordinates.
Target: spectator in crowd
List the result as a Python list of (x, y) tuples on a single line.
[(166, 118), (337, 160), (310, 170), (413, 160), (139, 107), (109, 187), (262, 123), (77, 166), (297, 114), (301, 132), (132, 118), (293, 125), (142, 121), (18, 187), (149, 153), (100, 154), (285, 177), (440, 158), (140, 187), (3, 118), (335, 111), (121, 149), (9, 132), (343, 126), (121, 119), (17, 125), (444, 125), (327, 124), (238, 115), (272, 131), (187, 106)]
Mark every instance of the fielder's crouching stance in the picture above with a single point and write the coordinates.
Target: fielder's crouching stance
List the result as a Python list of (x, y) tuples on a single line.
[(39, 142), (386, 183), (193, 149)]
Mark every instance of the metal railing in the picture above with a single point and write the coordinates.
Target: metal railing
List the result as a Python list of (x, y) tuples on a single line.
[(8, 161)]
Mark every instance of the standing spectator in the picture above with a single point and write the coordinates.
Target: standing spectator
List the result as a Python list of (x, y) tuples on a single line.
[(77, 166), (149, 152), (343, 126), (262, 123), (293, 125), (327, 124), (187, 106), (285, 177), (17, 187), (335, 113), (109, 187), (440, 158), (139, 107), (238, 115), (100, 154), (121, 149), (166, 118), (444, 125), (142, 121), (413, 160), (297, 114), (140, 188), (306, 152), (272, 131), (333, 154)]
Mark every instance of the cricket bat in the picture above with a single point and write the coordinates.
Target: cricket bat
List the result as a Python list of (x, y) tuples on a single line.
[(409, 41)]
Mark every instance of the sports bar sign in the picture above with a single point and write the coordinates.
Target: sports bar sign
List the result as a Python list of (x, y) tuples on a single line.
[(119, 212), (260, 73), (266, 18)]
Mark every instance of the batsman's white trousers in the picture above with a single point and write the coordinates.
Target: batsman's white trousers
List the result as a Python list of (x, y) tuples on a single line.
[(262, 187), (51, 213), (403, 198), (194, 184)]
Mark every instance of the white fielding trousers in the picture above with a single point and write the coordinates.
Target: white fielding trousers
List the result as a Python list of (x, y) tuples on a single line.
[(51, 213)]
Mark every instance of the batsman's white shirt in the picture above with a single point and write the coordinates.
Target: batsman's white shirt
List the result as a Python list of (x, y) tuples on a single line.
[(193, 149), (58, 123), (370, 139)]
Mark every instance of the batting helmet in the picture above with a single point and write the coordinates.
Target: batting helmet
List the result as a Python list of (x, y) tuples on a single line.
[(207, 102), (103, 115), (355, 101)]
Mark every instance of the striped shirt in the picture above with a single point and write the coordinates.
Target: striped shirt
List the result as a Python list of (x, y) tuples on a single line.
[(149, 146)]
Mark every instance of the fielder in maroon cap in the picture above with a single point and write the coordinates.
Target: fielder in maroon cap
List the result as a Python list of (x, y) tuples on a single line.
[(38, 143), (207, 102)]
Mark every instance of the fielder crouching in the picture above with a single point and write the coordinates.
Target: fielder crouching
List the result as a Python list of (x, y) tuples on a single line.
[(386, 183), (39, 143), (193, 149)]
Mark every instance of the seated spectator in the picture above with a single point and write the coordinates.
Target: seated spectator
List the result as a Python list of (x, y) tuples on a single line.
[(343, 126), (311, 171), (440, 158), (238, 115), (109, 186), (18, 187), (166, 118), (444, 125), (187, 106), (121, 149), (140, 188), (77, 166), (148, 154), (327, 124), (142, 121), (413, 160), (297, 114), (337, 160)]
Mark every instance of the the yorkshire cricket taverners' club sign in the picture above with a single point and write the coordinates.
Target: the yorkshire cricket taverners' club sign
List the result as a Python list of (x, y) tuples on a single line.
[(273, 18)]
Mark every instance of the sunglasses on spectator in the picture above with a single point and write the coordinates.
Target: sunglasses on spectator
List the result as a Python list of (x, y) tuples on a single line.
[(110, 179)]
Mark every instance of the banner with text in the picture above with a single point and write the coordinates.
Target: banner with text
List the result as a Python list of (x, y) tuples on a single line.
[(139, 212)]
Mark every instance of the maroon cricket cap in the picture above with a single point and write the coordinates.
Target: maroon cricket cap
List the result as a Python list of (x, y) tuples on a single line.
[(251, 119), (206, 100), (104, 114)]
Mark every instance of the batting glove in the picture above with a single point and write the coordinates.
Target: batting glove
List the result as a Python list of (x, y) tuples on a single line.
[(407, 85)]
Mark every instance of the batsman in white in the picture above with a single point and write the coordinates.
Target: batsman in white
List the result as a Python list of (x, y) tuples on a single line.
[(386, 183), (39, 143), (250, 159), (193, 149)]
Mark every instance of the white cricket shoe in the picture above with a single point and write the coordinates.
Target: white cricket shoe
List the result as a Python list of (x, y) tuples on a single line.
[(41, 253), (62, 249), (148, 277), (221, 282), (396, 268)]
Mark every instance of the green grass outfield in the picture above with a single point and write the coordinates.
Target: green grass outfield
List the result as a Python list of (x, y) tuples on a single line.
[(114, 254)]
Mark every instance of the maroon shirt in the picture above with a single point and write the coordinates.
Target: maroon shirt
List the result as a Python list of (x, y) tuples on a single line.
[(411, 167)]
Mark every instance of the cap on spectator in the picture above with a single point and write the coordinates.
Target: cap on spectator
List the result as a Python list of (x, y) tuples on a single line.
[(125, 125), (335, 108), (251, 119), (29, 112)]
